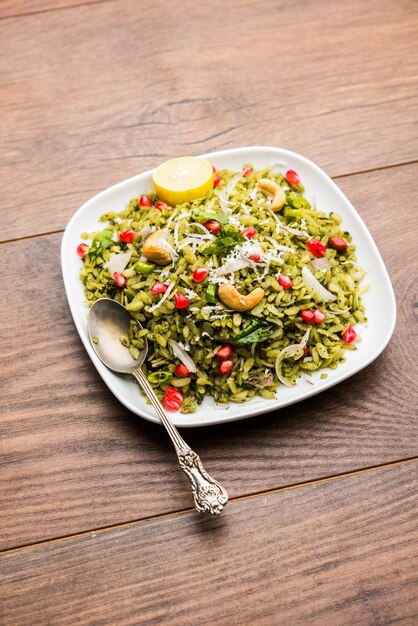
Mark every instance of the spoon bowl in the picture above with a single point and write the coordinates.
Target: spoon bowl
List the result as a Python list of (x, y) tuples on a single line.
[(108, 321)]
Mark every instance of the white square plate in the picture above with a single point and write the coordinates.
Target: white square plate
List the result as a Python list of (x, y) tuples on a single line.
[(375, 334)]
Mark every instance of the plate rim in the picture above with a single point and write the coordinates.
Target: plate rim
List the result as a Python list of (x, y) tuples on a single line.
[(247, 411)]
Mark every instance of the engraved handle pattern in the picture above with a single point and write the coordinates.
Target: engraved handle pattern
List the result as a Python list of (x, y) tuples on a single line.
[(209, 495)]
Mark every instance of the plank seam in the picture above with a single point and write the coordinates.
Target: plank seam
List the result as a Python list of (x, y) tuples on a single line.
[(54, 9), (338, 176), (378, 168), (250, 496)]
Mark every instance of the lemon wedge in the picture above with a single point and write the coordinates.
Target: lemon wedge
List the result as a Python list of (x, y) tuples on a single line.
[(183, 179)]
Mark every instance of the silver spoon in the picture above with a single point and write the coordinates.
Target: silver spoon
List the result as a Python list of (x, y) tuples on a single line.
[(108, 321)]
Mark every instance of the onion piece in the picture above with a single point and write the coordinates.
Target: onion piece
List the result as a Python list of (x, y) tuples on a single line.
[(203, 227), (260, 380), (253, 193), (146, 232), (322, 264), (287, 353), (118, 262), (231, 266), (314, 284), (183, 356)]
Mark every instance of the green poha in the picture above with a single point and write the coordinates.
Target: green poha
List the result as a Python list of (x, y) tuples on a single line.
[(310, 282)]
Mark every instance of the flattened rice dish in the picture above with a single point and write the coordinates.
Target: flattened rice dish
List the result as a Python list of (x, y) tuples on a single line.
[(239, 291)]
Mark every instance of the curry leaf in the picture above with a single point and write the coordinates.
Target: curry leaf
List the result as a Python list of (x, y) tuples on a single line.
[(256, 332)]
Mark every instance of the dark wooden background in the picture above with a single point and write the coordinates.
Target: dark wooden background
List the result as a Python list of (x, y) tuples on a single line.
[(96, 524)]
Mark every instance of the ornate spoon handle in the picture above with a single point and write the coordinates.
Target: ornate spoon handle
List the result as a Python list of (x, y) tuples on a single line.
[(209, 495)]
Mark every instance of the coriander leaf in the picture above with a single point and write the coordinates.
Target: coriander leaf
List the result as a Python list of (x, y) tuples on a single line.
[(204, 216), (229, 231), (227, 239), (216, 247), (101, 241), (220, 247)]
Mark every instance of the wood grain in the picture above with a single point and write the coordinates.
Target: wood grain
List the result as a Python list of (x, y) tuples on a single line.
[(14, 8), (94, 91), (344, 552), (73, 459), (92, 95)]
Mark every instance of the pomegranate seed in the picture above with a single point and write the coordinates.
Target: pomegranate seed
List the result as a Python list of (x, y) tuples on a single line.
[(144, 201), (120, 279), (213, 226), (255, 257), (180, 301), (82, 249), (247, 170), (225, 367), (159, 288), (307, 316), (349, 335), (224, 352), (316, 248), (292, 178), (200, 274), (249, 232), (170, 405), (285, 281), (214, 169), (174, 394), (160, 205), (216, 180), (181, 370), (127, 236), (319, 316), (338, 243)]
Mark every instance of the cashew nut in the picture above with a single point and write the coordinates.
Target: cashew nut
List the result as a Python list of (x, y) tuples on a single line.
[(155, 250), (271, 188), (237, 302)]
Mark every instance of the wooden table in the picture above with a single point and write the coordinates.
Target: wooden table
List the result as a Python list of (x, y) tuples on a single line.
[(96, 524)]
